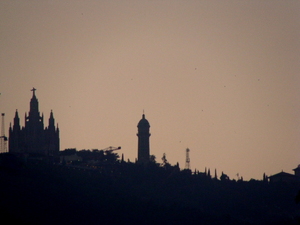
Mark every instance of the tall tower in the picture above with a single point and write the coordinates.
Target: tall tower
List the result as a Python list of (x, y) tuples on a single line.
[(143, 140), (3, 138), (34, 126), (187, 159)]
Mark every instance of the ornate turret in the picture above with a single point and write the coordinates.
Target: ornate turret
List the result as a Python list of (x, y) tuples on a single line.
[(16, 125), (144, 124), (143, 140)]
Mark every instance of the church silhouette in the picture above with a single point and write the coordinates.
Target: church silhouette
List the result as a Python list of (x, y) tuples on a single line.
[(33, 138)]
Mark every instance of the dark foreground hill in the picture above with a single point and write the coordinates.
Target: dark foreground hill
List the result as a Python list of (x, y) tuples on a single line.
[(131, 194)]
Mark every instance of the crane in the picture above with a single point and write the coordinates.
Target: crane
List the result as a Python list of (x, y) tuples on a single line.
[(111, 149)]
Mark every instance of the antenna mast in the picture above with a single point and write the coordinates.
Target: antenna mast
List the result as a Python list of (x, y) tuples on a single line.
[(187, 159), (3, 138)]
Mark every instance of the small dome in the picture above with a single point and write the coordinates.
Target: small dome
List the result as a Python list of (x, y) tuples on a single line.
[(143, 122)]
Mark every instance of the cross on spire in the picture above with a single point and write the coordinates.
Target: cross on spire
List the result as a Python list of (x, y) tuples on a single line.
[(33, 90)]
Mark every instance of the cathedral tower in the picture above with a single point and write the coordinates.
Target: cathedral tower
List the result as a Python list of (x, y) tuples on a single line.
[(143, 140), (34, 127), (33, 138)]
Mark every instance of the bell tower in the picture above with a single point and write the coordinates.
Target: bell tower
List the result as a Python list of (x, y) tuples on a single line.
[(143, 140)]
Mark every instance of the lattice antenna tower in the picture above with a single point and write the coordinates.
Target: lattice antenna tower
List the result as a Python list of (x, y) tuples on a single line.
[(187, 159), (3, 138)]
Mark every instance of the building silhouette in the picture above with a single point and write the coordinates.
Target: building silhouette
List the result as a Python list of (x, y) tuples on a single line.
[(33, 138), (286, 177), (143, 140)]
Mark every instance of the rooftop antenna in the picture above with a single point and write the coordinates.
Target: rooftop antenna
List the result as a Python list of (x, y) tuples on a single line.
[(187, 159), (3, 138)]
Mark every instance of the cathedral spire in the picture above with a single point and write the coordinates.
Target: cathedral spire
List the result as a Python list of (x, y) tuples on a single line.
[(51, 120), (16, 121), (34, 106), (16, 114), (51, 114)]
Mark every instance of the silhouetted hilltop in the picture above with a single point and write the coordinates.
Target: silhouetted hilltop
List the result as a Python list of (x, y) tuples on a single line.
[(118, 192)]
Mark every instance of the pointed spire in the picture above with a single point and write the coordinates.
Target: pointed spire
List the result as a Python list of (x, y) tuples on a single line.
[(16, 114), (51, 121), (33, 98), (16, 121), (51, 114), (34, 106)]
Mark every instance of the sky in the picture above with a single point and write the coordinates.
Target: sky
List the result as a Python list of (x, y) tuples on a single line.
[(218, 77)]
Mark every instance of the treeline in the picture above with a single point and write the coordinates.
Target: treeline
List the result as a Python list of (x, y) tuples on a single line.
[(115, 191)]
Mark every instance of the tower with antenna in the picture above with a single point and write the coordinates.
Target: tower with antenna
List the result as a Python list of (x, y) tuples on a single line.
[(143, 140), (3, 138), (187, 159)]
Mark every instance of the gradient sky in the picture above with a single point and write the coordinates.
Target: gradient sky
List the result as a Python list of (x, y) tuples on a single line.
[(218, 77)]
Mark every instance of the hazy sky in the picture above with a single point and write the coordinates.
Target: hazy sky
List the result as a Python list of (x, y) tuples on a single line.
[(219, 77)]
